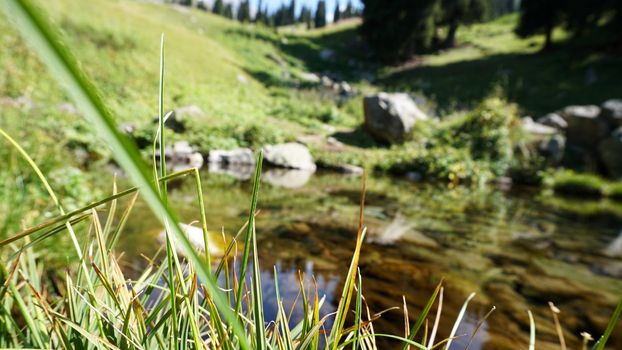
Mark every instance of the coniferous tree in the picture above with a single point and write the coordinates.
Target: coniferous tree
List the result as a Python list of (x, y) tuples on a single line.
[(320, 14), (452, 13), (397, 29), (258, 14), (291, 12), (244, 11), (305, 16), (349, 11), (540, 17), (337, 13), (219, 8), (228, 11), (202, 5)]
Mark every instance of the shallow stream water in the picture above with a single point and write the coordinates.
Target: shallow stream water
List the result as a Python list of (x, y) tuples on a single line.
[(517, 249)]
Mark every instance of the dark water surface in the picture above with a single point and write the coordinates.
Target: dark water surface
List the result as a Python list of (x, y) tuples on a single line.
[(516, 249)]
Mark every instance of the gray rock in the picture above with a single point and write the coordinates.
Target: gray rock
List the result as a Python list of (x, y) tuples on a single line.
[(326, 81), (240, 156), (390, 117), (327, 54), (287, 178), (553, 148), (289, 155), (345, 88), (610, 153), (585, 127), (181, 156), (611, 111), (537, 129), (554, 120), (309, 77)]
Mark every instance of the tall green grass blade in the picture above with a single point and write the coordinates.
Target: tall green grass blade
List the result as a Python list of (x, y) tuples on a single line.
[(600, 344), (423, 316), (248, 243), (40, 35), (260, 334), (199, 189), (358, 312), (348, 288)]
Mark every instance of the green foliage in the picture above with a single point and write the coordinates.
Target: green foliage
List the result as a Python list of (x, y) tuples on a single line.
[(473, 147)]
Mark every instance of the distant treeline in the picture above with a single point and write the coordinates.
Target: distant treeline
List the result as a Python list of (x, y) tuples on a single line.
[(398, 29), (285, 15)]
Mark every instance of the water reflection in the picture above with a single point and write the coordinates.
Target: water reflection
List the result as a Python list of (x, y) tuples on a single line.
[(514, 250)]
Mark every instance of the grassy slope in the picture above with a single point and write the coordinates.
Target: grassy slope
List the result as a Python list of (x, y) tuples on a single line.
[(244, 78)]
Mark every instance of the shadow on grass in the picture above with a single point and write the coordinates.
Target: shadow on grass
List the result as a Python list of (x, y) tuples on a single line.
[(358, 137)]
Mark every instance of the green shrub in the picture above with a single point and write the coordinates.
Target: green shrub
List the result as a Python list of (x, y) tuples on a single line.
[(473, 147)]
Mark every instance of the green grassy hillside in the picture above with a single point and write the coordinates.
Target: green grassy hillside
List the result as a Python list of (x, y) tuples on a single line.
[(249, 82)]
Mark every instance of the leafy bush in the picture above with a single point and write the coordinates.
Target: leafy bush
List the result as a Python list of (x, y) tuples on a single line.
[(473, 147)]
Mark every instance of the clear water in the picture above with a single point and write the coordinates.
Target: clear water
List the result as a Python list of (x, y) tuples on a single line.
[(517, 249)]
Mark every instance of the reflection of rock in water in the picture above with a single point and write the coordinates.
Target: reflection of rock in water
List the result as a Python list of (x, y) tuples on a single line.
[(400, 229), (195, 235), (614, 248), (288, 178), (239, 171)]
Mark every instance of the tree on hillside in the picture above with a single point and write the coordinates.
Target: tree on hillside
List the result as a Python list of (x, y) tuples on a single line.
[(202, 5), (337, 13), (291, 12), (259, 14), (244, 11), (397, 29), (228, 11), (453, 13), (219, 8), (305, 16), (349, 11), (540, 17), (320, 14)]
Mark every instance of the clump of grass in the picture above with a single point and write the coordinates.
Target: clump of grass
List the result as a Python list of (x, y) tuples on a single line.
[(571, 183)]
